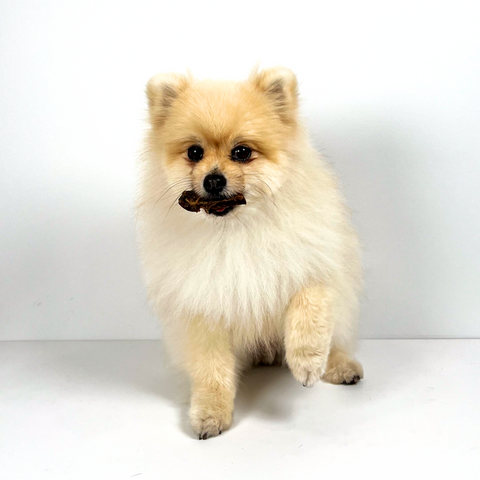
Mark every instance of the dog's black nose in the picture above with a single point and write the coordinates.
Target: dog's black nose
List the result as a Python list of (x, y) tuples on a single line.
[(214, 184)]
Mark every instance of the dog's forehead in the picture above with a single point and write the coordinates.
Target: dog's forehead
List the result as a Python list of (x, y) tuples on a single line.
[(220, 110), (217, 94)]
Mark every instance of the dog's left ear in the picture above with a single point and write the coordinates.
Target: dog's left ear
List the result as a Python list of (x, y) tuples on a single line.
[(280, 85)]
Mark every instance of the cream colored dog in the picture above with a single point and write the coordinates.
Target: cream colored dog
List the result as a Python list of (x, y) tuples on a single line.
[(275, 280)]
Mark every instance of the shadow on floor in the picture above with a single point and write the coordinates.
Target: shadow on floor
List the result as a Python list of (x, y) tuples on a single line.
[(123, 366)]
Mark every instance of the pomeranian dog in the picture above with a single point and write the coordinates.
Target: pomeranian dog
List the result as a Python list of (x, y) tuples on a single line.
[(271, 278)]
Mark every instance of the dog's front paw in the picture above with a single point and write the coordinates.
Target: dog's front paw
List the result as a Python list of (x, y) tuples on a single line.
[(307, 366), (210, 420)]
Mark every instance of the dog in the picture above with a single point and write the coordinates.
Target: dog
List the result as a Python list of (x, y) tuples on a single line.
[(274, 280)]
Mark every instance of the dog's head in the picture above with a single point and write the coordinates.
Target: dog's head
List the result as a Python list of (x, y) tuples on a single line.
[(224, 138)]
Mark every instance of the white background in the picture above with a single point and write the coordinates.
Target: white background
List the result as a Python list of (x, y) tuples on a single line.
[(390, 91)]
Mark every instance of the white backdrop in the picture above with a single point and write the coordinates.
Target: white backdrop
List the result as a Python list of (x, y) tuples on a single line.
[(390, 91)]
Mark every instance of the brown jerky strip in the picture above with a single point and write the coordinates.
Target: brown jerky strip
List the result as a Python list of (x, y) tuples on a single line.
[(192, 202)]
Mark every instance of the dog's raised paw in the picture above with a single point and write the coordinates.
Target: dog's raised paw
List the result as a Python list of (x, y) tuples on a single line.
[(306, 367)]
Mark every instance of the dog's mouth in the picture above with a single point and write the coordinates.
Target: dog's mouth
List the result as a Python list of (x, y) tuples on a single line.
[(222, 211), (218, 206)]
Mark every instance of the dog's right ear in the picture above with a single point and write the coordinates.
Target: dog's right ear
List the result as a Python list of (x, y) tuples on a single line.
[(162, 90)]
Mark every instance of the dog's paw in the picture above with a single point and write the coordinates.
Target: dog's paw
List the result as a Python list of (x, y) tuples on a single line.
[(210, 421), (307, 366), (343, 370)]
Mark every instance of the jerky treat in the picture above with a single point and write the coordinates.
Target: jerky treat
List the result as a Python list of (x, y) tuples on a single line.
[(189, 200)]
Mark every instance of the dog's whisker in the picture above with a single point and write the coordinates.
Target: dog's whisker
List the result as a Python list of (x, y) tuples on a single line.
[(241, 221), (179, 182), (172, 194), (266, 184), (263, 194), (173, 203)]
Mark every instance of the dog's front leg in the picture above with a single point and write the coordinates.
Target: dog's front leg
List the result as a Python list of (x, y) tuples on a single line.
[(308, 333), (211, 367)]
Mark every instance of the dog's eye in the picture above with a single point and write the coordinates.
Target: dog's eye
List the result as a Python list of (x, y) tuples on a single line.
[(195, 153), (241, 153)]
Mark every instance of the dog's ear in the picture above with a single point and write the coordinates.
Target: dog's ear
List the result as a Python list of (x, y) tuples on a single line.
[(162, 90), (280, 85)]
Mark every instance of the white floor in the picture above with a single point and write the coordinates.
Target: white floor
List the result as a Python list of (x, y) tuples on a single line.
[(111, 410)]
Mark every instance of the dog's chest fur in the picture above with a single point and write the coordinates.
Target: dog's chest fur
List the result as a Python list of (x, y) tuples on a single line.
[(243, 269)]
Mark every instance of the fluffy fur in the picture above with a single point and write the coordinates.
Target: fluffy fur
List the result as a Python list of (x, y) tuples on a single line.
[(273, 281)]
